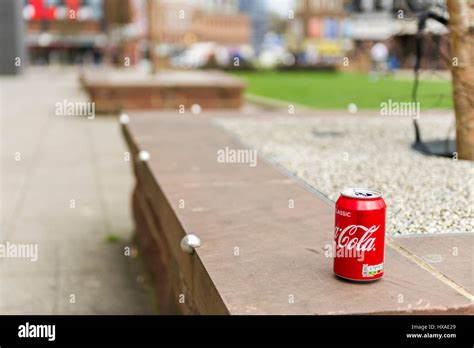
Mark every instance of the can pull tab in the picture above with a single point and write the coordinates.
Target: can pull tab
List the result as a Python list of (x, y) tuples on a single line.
[(363, 194)]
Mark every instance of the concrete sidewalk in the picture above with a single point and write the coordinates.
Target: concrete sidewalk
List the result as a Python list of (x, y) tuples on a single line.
[(65, 188)]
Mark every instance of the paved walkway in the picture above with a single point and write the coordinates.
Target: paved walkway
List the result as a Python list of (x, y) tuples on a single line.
[(65, 188)]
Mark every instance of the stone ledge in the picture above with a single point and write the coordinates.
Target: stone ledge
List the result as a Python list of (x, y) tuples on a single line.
[(115, 90), (281, 250), (448, 255)]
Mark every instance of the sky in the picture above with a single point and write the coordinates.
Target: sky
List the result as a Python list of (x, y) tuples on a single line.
[(280, 6)]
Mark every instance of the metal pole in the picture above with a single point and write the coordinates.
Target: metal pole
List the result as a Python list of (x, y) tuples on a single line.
[(12, 38)]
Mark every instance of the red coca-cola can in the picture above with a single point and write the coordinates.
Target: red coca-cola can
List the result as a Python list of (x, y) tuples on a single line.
[(359, 236)]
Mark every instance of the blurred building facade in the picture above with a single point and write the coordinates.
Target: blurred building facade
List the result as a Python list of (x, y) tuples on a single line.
[(317, 31), (320, 32), (188, 21), (64, 29), (258, 13), (69, 31), (327, 30), (321, 18), (180, 23), (394, 22)]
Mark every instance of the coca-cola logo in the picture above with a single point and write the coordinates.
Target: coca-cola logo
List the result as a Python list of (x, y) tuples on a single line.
[(346, 237)]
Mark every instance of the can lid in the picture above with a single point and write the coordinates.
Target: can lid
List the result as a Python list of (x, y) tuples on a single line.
[(360, 193)]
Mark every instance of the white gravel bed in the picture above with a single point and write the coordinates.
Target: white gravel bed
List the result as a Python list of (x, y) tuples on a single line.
[(423, 194)]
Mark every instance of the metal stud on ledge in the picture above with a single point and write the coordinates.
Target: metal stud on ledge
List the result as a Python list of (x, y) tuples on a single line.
[(144, 156), (189, 243), (124, 118)]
